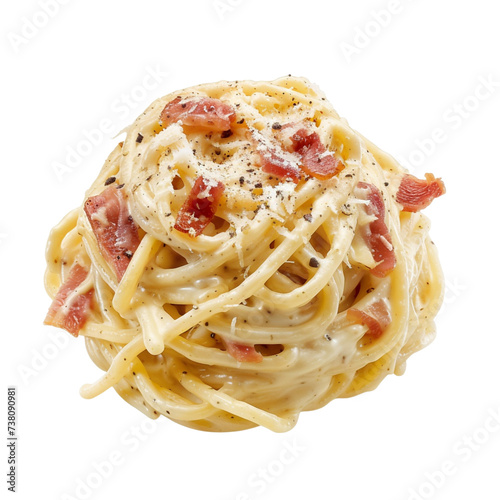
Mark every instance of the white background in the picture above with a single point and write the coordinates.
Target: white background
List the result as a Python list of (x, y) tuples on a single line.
[(414, 85)]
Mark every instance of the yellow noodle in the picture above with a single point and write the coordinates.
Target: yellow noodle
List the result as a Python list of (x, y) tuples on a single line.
[(277, 268)]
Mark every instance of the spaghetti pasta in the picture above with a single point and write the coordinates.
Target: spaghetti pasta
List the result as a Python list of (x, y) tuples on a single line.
[(248, 258)]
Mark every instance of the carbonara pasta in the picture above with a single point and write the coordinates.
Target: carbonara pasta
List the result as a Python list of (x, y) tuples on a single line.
[(244, 255)]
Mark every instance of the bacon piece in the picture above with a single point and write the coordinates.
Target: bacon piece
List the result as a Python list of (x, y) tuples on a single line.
[(200, 207), (376, 317), (71, 312), (376, 233), (243, 352), (415, 194), (116, 232), (204, 112), (274, 163), (316, 160)]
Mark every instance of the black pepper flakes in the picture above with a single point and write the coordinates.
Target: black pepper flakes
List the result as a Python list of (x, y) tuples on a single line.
[(313, 262), (276, 126), (109, 181), (308, 217), (226, 134), (139, 139), (345, 209)]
